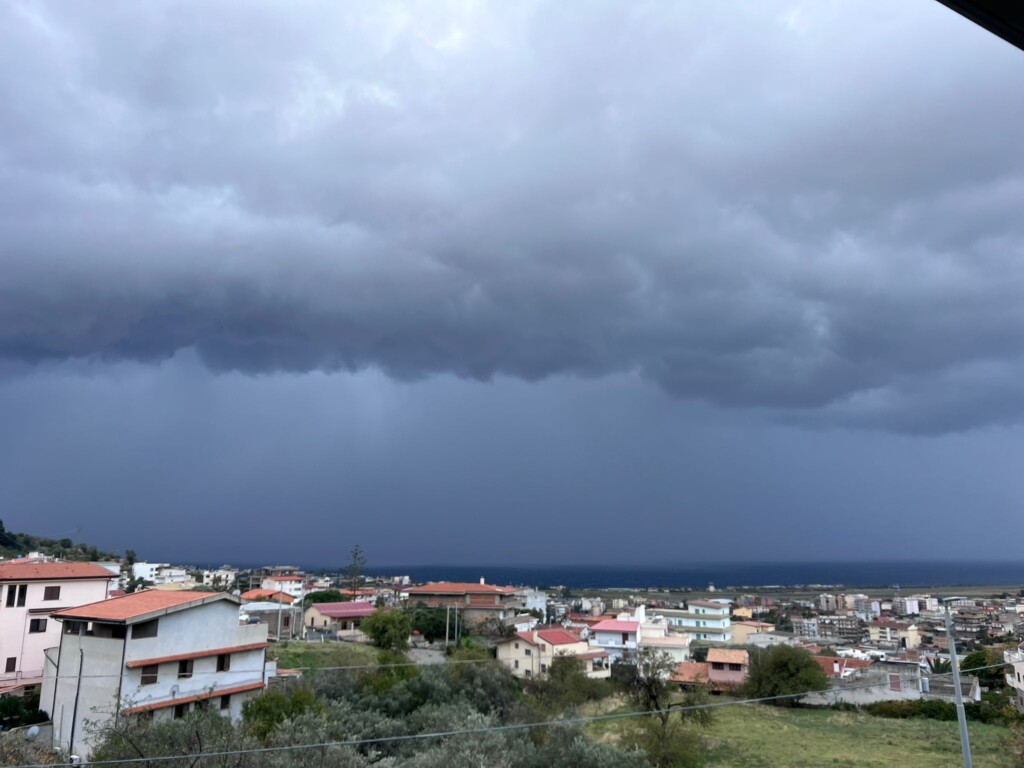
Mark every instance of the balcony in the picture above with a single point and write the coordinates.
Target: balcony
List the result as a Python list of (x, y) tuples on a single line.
[(1014, 657)]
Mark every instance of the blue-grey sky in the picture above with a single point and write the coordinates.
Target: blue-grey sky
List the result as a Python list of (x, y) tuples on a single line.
[(511, 282)]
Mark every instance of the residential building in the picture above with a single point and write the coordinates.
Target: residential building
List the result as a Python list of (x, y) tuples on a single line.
[(151, 653), (221, 578), (1015, 678), (341, 619), (840, 628), (29, 593), (283, 622), (293, 585), (616, 637), (897, 633), (159, 574), (530, 654), (266, 595), (727, 667), (741, 630), (475, 602), (675, 645), (906, 606), (827, 603), (702, 620)]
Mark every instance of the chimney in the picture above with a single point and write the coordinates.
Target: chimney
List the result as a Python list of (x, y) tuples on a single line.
[(481, 579), (835, 667)]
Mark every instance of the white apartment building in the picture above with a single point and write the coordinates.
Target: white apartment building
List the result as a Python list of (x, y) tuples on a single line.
[(702, 619), (292, 585), (159, 573), (223, 577), (1015, 678), (29, 593), (153, 653)]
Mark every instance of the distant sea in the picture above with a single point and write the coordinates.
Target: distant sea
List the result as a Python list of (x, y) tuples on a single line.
[(727, 575)]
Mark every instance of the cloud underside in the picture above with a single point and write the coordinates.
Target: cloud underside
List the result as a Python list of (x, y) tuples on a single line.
[(802, 210)]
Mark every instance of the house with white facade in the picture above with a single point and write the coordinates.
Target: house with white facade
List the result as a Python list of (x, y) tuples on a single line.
[(292, 585), (616, 637), (154, 654), (702, 620), (159, 574), (530, 654), (221, 578), (1015, 678), (29, 593)]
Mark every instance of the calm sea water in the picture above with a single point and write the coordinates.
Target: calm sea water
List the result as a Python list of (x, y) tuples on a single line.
[(726, 575)]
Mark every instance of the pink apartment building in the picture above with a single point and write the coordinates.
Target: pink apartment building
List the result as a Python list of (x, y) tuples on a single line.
[(30, 591)]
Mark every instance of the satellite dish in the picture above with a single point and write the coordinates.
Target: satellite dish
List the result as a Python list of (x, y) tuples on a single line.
[(32, 732)]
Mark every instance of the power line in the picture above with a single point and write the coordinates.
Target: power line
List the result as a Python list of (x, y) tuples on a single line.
[(583, 720)]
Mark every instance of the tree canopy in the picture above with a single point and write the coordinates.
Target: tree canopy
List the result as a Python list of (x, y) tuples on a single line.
[(783, 671)]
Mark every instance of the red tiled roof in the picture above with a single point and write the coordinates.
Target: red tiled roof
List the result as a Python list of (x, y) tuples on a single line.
[(195, 655), (138, 604), (267, 594), (14, 570), (459, 588), (286, 578), (690, 672), (353, 610), (614, 625), (728, 656), (558, 636), (211, 694)]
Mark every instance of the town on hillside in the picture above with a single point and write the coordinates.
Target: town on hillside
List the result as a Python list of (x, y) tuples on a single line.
[(82, 641)]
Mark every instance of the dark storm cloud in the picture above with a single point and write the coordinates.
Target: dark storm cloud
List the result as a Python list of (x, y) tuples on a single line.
[(815, 209)]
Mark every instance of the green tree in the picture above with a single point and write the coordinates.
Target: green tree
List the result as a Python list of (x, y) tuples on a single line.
[(389, 630), (356, 566), (644, 679), (324, 596), (265, 712), (783, 670), (940, 666), (990, 678)]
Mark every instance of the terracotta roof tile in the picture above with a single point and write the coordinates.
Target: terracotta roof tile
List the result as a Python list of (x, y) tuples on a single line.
[(728, 656), (136, 605), (690, 672), (614, 625), (39, 571), (353, 610)]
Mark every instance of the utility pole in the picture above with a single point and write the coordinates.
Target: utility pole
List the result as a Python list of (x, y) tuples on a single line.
[(961, 716), (447, 621)]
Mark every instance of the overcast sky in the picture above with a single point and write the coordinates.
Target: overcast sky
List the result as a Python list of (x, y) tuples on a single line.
[(512, 282)]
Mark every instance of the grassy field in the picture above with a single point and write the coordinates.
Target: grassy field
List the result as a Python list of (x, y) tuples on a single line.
[(769, 736), (772, 737), (298, 655)]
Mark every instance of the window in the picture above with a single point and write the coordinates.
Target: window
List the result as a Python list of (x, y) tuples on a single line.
[(72, 627), (717, 665), (517, 646), (22, 593), (185, 668), (36, 625), (225, 701), (543, 668), (517, 664), (528, 652), (12, 591), (287, 622), (12, 664), (180, 711), (51, 593), (150, 673), (224, 662), (735, 667), (528, 673), (894, 683), (625, 638), (145, 629)]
